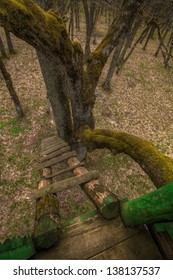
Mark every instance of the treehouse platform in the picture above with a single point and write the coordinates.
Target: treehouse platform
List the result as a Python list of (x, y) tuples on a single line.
[(99, 234)]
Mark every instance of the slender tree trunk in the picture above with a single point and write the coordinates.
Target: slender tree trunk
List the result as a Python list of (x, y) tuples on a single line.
[(9, 42), (2, 49), (71, 23), (90, 16), (169, 52), (77, 15), (11, 89), (144, 34), (113, 65), (161, 43), (128, 43), (119, 53), (170, 38), (150, 35)]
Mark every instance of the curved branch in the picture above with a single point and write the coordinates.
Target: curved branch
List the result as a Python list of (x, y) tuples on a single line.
[(158, 166), (43, 30)]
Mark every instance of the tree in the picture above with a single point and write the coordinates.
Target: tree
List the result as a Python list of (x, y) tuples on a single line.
[(9, 42), (2, 49), (11, 89), (76, 79)]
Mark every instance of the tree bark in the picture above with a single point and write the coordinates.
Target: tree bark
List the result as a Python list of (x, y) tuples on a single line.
[(54, 81)]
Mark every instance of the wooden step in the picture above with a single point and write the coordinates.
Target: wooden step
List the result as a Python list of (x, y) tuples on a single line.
[(53, 148), (66, 184), (64, 170), (51, 144), (56, 153), (50, 139), (56, 160)]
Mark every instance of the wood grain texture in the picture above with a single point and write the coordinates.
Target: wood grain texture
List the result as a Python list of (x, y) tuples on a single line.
[(90, 239)]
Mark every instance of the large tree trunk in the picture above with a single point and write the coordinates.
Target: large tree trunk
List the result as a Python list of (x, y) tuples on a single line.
[(54, 82)]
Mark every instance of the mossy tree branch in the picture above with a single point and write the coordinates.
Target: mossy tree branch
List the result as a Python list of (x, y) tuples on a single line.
[(158, 166), (43, 30)]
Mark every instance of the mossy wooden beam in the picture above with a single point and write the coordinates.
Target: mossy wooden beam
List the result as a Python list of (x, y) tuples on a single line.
[(106, 202), (153, 207), (158, 166), (47, 230)]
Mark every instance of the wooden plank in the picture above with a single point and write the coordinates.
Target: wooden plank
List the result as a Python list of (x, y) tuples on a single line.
[(56, 160), (46, 146), (51, 144), (138, 247), (56, 153), (52, 138), (64, 170), (65, 184), (98, 237), (92, 223), (163, 241), (53, 149)]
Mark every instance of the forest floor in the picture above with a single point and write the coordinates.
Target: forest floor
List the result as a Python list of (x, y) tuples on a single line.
[(140, 103)]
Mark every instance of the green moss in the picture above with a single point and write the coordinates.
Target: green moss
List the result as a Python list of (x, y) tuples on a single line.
[(41, 29), (96, 62), (158, 166), (77, 47), (47, 205)]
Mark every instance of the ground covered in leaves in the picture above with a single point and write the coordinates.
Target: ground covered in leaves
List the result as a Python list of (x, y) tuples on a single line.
[(140, 103)]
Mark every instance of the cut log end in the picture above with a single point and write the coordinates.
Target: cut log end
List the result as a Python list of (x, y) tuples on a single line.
[(110, 208), (47, 232)]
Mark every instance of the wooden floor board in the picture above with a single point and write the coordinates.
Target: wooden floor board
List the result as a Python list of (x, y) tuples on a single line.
[(101, 239)]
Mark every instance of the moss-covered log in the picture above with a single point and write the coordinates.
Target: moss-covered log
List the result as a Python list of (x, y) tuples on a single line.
[(158, 166), (156, 206), (106, 202), (47, 229)]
